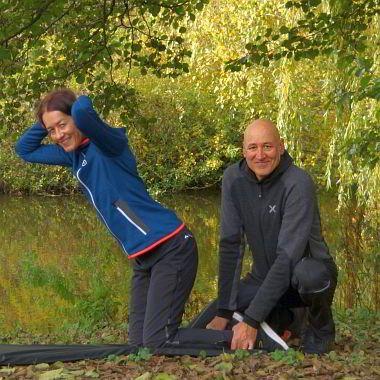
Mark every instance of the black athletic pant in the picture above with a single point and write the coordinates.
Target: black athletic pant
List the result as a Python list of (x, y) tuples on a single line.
[(312, 285), (161, 284)]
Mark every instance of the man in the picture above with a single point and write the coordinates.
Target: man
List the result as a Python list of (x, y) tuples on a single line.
[(272, 202)]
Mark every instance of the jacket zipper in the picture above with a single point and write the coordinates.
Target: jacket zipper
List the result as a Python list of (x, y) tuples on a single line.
[(130, 220), (84, 163)]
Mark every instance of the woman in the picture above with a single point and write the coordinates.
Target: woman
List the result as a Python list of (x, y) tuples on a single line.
[(164, 250)]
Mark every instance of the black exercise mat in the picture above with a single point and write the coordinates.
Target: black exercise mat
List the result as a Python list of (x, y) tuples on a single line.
[(20, 354), (23, 354)]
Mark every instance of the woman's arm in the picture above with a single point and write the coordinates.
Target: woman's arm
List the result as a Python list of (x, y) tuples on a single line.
[(110, 141), (30, 149)]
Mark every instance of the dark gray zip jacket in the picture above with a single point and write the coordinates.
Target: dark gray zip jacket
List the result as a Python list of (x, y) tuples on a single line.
[(279, 217)]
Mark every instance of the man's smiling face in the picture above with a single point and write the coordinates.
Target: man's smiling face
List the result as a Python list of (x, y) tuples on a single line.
[(262, 148)]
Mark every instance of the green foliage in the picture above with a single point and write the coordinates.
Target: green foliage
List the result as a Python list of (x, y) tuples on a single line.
[(241, 354), (202, 354), (97, 306), (93, 308), (225, 367), (359, 324), (340, 28), (365, 146), (182, 141), (78, 35), (143, 354), (291, 356), (34, 275), (84, 45)]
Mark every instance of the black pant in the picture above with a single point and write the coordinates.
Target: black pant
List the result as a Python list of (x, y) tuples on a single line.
[(161, 284), (313, 284)]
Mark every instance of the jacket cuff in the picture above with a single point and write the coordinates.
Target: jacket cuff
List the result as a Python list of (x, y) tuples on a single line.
[(224, 313), (251, 322)]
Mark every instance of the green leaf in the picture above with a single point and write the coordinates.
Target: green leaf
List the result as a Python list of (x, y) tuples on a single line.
[(289, 4), (202, 354), (5, 54), (225, 367), (199, 6), (314, 3), (80, 78), (136, 47), (154, 9), (179, 10)]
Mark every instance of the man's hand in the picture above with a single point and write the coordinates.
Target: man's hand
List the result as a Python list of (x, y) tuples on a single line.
[(244, 337), (218, 323)]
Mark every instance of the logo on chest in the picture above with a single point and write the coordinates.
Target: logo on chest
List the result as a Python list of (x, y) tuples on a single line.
[(272, 209)]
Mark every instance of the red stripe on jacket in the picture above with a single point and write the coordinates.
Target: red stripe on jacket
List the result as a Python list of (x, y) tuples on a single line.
[(155, 244)]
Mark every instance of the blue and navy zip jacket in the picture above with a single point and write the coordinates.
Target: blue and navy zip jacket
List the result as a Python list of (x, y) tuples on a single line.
[(106, 170)]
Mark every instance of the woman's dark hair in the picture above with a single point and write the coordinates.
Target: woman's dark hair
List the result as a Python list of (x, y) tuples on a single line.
[(58, 100)]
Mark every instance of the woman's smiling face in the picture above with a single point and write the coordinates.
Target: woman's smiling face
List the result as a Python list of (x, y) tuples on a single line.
[(62, 130)]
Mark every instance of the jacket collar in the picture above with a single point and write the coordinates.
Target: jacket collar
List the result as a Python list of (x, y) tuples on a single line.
[(285, 161)]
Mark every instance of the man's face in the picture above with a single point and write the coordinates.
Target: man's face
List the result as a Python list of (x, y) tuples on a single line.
[(62, 130), (262, 149)]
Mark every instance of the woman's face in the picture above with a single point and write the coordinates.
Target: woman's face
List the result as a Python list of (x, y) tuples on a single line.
[(62, 130)]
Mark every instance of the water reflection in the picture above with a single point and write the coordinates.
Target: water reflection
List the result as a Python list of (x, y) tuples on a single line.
[(59, 265)]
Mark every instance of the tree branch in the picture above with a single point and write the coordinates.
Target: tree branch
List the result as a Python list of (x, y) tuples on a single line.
[(39, 14)]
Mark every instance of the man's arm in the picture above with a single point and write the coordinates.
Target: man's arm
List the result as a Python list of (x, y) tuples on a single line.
[(30, 149), (111, 141), (292, 240), (230, 254)]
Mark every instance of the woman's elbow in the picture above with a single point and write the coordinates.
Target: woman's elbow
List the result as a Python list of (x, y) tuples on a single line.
[(21, 151)]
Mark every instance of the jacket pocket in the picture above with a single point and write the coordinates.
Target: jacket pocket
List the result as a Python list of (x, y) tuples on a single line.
[(132, 218)]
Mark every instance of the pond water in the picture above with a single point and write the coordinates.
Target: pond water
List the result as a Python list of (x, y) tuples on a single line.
[(60, 266)]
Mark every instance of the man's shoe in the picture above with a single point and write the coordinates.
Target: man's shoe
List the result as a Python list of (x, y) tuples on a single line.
[(312, 344)]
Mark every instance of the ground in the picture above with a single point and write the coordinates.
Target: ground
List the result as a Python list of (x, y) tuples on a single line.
[(356, 356)]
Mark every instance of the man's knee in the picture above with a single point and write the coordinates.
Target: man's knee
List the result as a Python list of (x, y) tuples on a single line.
[(311, 276)]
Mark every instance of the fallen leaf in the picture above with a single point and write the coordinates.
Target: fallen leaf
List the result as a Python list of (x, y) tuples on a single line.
[(51, 375), (144, 376), (78, 372), (41, 366), (260, 372), (7, 371), (92, 374), (58, 365), (164, 376)]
